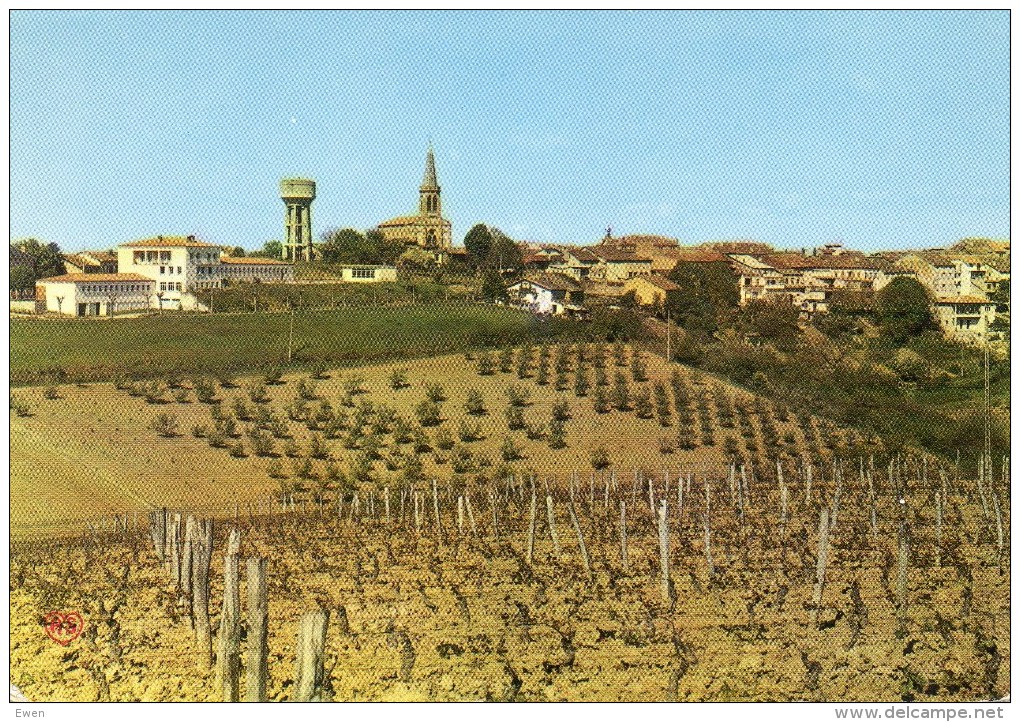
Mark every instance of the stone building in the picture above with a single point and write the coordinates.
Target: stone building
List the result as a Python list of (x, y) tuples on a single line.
[(427, 229)]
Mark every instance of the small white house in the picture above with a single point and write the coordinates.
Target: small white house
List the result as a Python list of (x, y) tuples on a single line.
[(369, 274), (548, 293), (178, 265), (96, 294)]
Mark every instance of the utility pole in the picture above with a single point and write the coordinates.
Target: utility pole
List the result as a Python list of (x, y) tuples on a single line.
[(668, 357), (290, 337), (988, 415)]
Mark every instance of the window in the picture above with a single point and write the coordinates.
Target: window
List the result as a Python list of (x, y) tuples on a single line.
[(362, 273), (162, 286), (178, 269), (162, 270), (177, 286), (164, 256)]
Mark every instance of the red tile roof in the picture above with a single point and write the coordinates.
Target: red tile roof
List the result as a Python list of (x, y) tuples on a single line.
[(97, 278), (964, 300), (253, 260), (553, 282), (169, 241)]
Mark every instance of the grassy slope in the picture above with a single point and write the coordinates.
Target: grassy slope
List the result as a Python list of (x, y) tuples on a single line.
[(100, 349), (92, 453)]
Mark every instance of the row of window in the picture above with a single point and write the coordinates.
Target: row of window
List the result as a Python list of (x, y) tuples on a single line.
[(164, 270), (169, 286), (114, 287), (362, 273)]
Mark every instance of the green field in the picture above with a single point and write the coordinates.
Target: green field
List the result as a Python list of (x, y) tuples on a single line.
[(49, 350)]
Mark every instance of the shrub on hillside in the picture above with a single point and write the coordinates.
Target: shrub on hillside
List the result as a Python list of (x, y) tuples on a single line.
[(164, 424)]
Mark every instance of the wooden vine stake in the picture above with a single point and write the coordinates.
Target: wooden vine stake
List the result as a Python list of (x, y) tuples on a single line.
[(201, 556), (311, 653), (667, 585), (623, 534), (552, 525), (532, 521), (257, 667), (580, 540), (228, 658), (903, 548), (821, 562)]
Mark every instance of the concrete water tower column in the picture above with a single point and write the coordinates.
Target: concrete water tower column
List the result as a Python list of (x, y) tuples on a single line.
[(297, 195)]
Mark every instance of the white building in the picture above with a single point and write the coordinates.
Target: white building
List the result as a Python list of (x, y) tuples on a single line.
[(548, 293), (253, 268), (96, 294), (177, 264), (369, 274), (965, 318)]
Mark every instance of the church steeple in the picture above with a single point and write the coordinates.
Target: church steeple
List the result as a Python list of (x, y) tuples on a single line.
[(429, 203)]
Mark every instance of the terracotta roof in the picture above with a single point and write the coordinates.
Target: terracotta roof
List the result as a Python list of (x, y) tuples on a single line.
[(96, 278), (661, 281), (746, 247), (613, 255), (401, 221), (964, 299), (700, 257), (253, 260), (169, 241), (553, 282), (583, 254)]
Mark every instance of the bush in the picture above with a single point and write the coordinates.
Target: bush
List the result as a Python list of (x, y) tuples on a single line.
[(620, 393), (506, 360), (524, 363), (199, 431), (216, 439), (398, 379), (665, 445), (204, 391), (226, 380), (581, 384), (275, 469), (227, 426), (557, 435), (599, 458), (542, 377), (261, 443), (164, 424), (535, 432), (354, 385), (273, 376), (237, 450), (637, 368), (468, 432), (51, 393), (601, 379), (302, 468), (443, 439), (319, 371), (619, 354), (561, 411), (509, 451), (461, 460), (517, 397), (290, 449), (486, 364), (317, 449), (428, 413), (475, 404), (600, 401), (514, 418), (241, 411), (562, 382), (420, 442), (181, 396), (306, 390), (643, 403), (435, 393)]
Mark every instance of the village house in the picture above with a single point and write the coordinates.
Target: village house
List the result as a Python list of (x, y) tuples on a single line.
[(95, 294), (651, 290), (965, 318), (90, 262), (548, 293), (577, 263), (615, 266)]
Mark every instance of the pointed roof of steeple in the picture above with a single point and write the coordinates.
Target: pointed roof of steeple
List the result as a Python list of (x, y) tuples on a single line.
[(429, 182)]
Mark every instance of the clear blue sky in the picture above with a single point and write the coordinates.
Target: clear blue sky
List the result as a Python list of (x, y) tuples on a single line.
[(879, 129)]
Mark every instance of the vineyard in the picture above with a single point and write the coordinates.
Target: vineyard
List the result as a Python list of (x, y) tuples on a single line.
[(572, 522)]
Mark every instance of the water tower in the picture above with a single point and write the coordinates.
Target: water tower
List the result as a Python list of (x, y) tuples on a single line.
[(297, 195)]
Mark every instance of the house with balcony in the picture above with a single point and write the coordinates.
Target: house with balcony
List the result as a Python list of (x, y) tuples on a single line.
[(548, 294)]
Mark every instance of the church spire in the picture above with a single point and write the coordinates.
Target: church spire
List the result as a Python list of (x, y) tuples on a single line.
[(429, 182)]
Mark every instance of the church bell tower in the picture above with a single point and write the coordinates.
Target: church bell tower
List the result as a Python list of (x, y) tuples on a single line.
[(429, 203)]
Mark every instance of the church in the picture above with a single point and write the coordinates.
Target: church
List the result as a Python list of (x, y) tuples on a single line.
[(428, 229)]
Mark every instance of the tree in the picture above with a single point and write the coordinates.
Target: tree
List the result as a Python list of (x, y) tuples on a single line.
[(386, 250), (492, 285), (22, 278), (708, 295), (237, 252), (346, 246), (904, 310), (1000, 296), (478, 243), (417, 259), (271, 249), (505, 255), (771, 320), (45, 259)]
